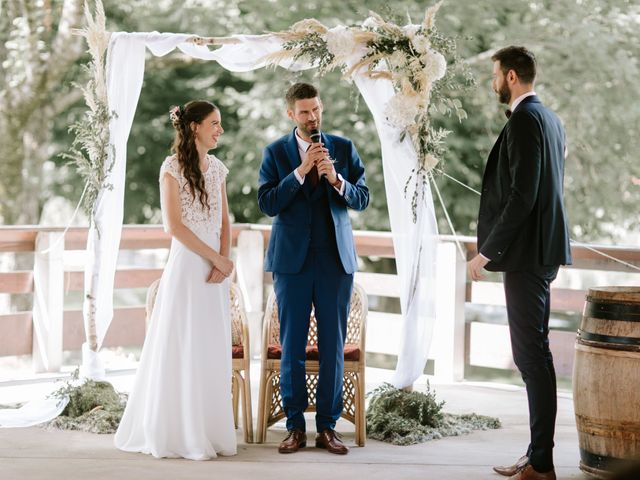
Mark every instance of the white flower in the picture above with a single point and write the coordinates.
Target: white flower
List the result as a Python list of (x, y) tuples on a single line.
[(410, 30), (342, 44), (421, 44), (430, 161), (372, 21), (435, 65), (401, 110), (397, 59)]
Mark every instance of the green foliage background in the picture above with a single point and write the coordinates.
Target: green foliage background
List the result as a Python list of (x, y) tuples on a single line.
[(587, 51)]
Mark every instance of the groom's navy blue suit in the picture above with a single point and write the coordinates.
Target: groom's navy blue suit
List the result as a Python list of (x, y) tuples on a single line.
[(312, 256)]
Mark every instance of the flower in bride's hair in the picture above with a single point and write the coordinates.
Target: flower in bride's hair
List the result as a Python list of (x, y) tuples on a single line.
[(342, 44), (435, 65), (175, 114), (401, 110)]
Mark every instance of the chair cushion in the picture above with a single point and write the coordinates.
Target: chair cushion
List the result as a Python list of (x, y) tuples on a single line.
[(237, 351), (351, 352)]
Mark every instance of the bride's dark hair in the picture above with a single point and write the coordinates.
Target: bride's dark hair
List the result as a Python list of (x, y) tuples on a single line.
[(184, 144)]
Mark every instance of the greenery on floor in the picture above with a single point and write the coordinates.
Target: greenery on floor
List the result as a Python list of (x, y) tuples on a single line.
[(93, 407), (406, 418)]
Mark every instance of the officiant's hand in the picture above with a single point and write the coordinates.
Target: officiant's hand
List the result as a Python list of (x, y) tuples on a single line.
[(215, 276), (315, 153), (224, 264), (475, 266), (325, 167)]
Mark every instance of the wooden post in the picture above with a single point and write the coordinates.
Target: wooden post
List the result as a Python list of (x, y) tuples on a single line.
[(448, 340), (48, 301), (250, 264)]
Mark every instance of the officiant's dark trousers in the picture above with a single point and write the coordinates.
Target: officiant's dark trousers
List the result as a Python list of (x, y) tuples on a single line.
[(528, 306)]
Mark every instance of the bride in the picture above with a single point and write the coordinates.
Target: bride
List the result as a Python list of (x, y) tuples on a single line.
[(180, 405)]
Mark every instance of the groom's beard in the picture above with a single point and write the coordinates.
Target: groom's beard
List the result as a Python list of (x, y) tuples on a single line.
[(504, 95)]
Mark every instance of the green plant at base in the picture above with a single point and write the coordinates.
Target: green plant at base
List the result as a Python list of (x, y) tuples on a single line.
[(406, 418), (93, 407)]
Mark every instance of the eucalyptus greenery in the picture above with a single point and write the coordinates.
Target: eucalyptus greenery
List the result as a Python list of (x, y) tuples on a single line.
[(406, 418), (94, 406)]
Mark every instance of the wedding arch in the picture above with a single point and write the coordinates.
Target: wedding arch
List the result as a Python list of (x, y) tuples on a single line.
[(394, 68)]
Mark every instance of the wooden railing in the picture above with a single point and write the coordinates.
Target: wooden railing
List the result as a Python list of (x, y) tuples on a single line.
[(458, 343)]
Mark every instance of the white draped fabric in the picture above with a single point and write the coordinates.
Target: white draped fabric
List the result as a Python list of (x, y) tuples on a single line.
[(414, 242), (32, 413)]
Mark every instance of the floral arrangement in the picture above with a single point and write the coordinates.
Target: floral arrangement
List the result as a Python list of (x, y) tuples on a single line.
[(90, 149), (412, 57)]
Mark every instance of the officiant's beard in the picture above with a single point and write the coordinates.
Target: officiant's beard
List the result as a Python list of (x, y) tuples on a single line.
[(305, 128)]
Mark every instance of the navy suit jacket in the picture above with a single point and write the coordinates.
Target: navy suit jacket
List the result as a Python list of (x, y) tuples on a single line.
[(522, 222), (280, 195)]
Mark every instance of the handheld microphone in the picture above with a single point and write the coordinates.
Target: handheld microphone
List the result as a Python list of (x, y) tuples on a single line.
[(315, 135)]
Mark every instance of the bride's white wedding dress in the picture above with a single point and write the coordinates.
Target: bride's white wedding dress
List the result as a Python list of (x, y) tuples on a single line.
[(180, 405)]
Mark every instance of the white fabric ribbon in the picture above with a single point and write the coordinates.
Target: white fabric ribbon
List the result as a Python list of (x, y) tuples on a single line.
[(32, 413)]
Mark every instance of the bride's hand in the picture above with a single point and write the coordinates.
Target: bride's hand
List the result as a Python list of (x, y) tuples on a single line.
[(224, 264), (215, 276)]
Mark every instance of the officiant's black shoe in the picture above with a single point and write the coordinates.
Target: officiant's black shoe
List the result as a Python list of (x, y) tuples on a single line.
[(330, 439), (296, 439), (511, 470)]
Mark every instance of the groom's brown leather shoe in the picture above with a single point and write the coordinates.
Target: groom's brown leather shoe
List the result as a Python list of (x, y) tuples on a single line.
[(530, 474), (295, 440), (511, 470), (330, 439)]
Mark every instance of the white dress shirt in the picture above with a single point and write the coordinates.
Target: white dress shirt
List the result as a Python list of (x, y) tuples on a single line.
[(303, 146), (518, 100)]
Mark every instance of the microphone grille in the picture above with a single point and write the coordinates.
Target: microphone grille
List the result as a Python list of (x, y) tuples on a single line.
[(315, 135)]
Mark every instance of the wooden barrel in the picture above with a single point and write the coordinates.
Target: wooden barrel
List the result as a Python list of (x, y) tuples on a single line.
[(606, 380)]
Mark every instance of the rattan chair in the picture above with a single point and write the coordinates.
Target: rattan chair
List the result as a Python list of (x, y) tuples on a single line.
[(270, 408), (240, 380)]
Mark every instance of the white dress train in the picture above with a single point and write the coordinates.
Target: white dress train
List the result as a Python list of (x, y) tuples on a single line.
[(180, 405)]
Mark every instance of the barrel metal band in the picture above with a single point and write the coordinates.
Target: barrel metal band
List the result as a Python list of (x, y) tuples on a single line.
[(611, 341), (602, 462), (620, 429), (622, 312)]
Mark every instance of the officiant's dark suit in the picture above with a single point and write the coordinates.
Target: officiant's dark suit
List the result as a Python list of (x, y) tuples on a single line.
[(522, 231)]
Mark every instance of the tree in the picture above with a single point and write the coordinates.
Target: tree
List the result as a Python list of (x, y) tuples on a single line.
[(588, 70), (587, 52), (38, 54)]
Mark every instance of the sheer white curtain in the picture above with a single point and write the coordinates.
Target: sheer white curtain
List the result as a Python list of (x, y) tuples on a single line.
[(414, 242)]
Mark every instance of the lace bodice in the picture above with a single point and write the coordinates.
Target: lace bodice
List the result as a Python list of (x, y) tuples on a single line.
[(200, 220)]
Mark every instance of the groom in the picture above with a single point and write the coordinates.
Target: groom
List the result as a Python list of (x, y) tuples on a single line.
[(307, 185), (522, 231)]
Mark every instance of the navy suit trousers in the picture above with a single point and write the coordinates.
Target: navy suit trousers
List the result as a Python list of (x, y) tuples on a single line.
[(323, 283)]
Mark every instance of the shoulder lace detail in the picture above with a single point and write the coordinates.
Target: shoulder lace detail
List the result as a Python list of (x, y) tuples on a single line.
[(202, 221), (171, 166), (223, 171)]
